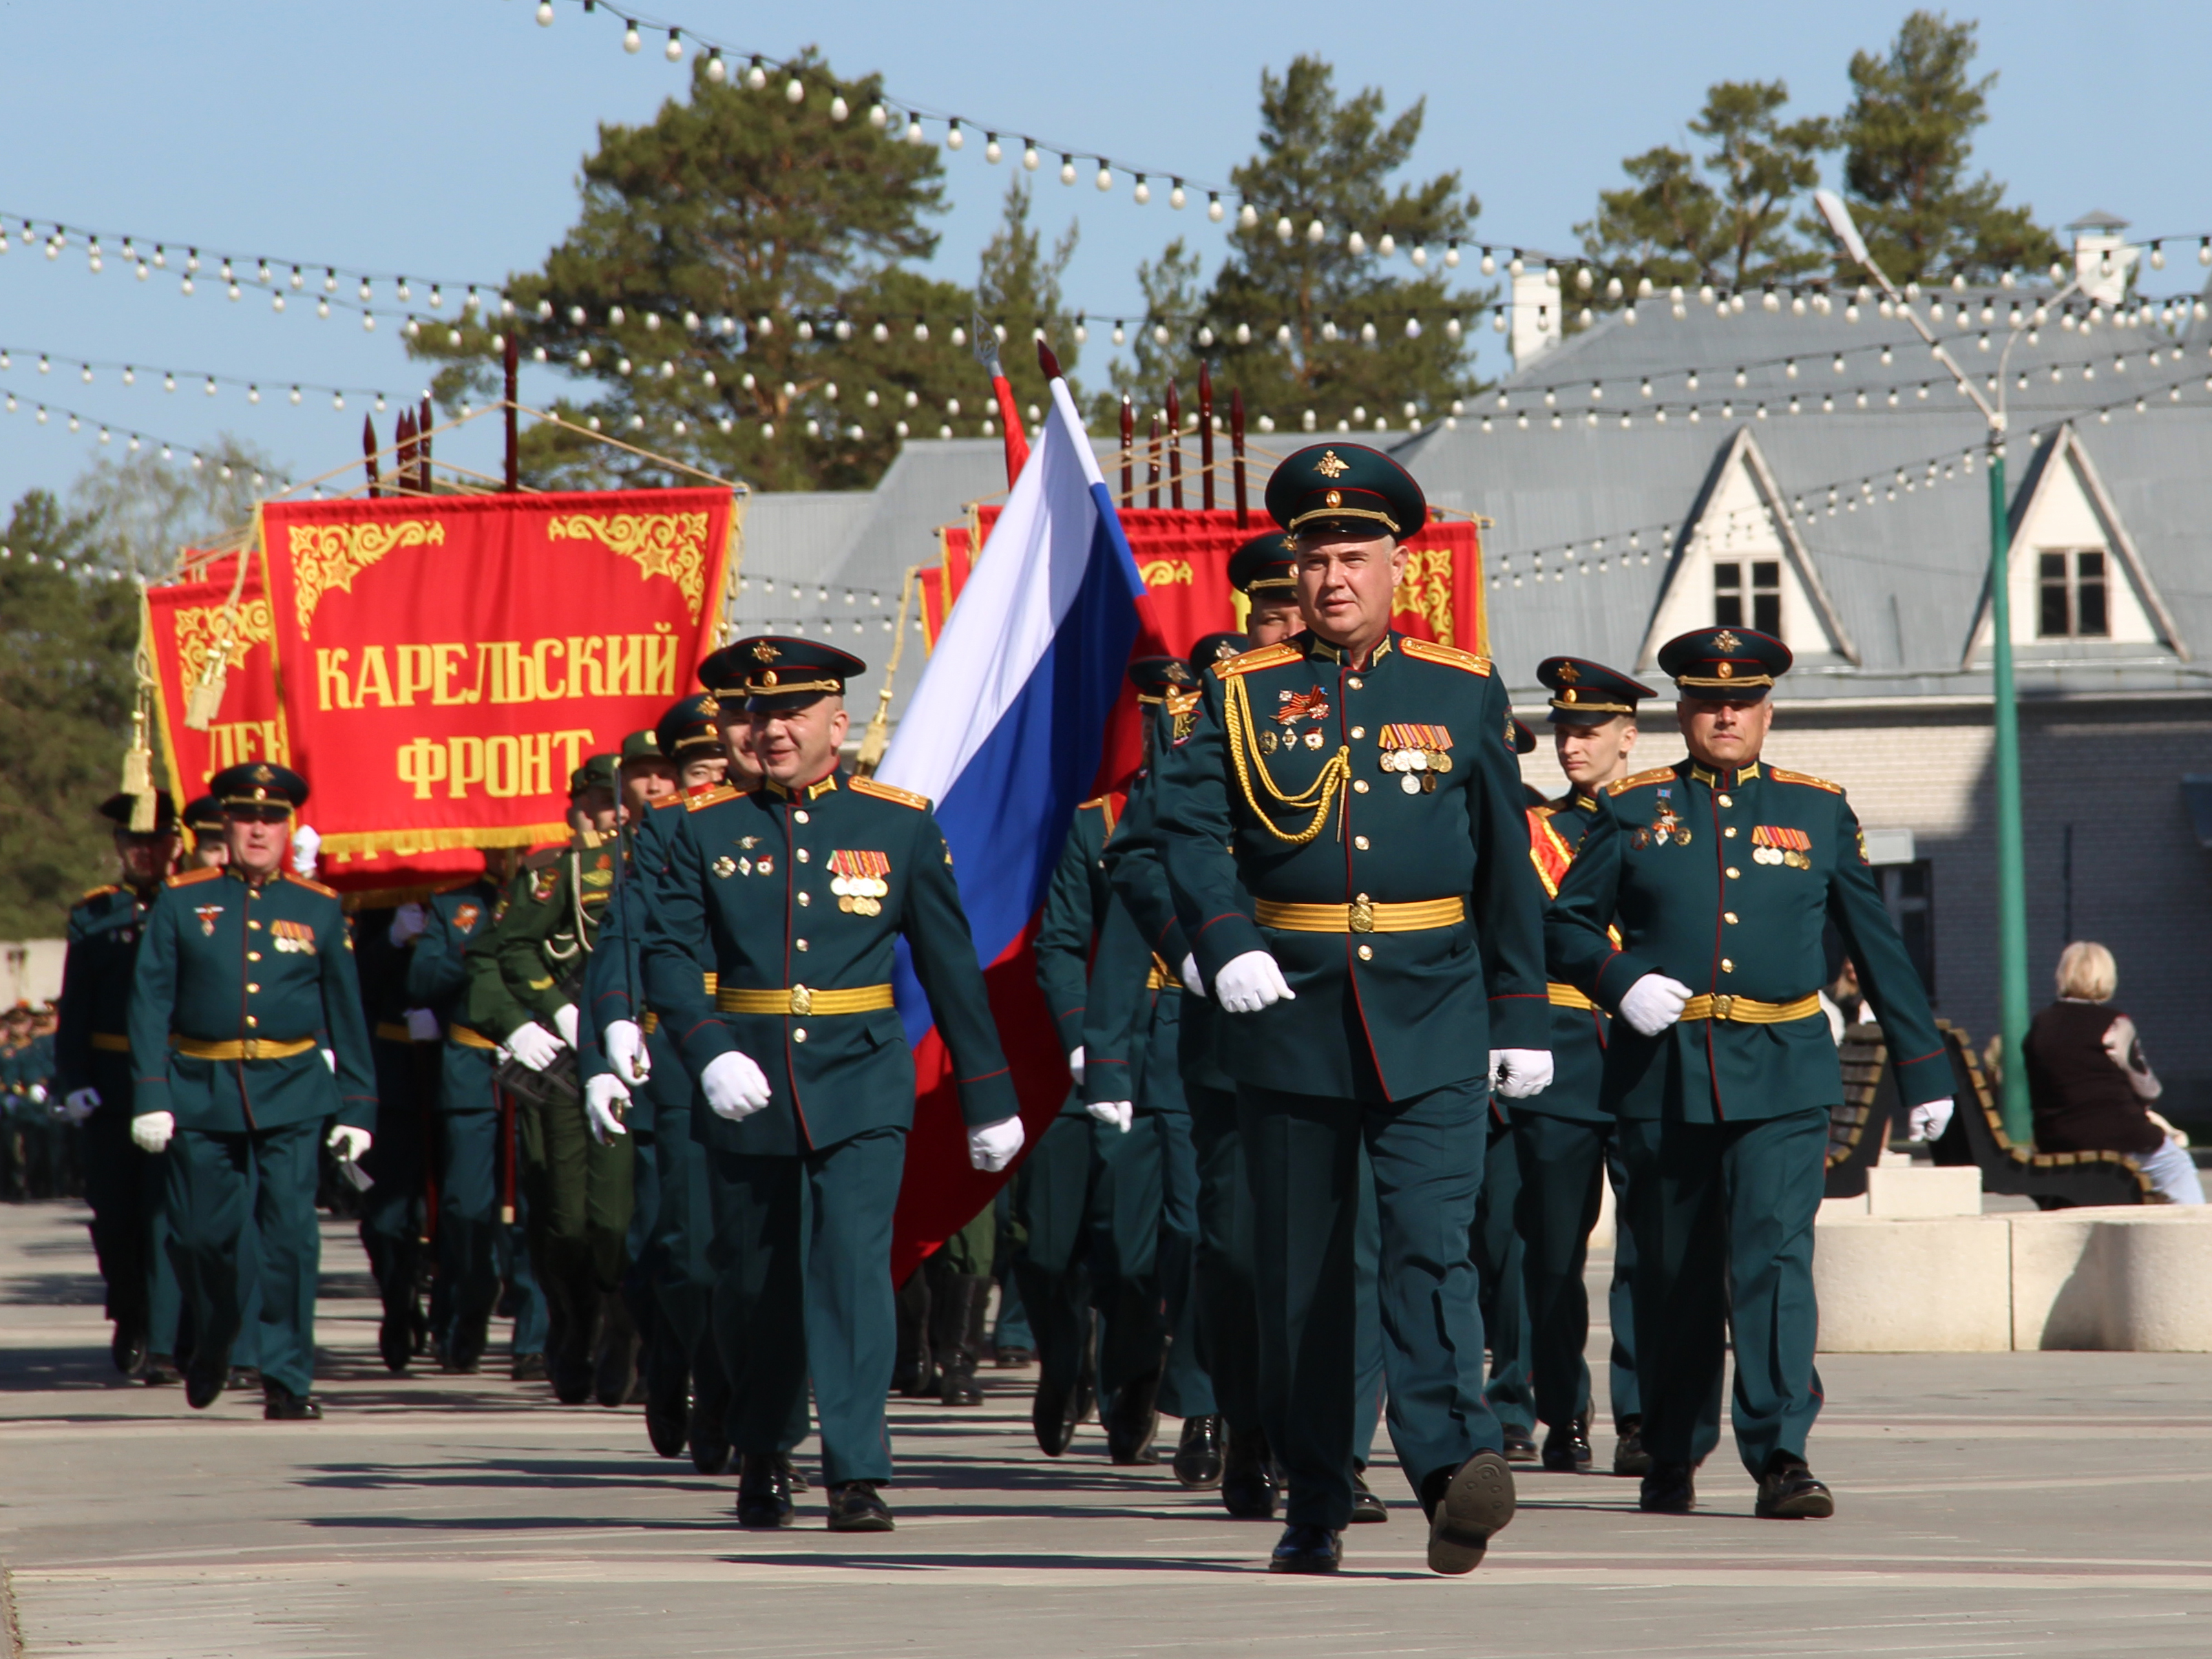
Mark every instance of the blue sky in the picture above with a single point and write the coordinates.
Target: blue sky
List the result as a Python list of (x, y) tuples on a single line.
[(441, 137)]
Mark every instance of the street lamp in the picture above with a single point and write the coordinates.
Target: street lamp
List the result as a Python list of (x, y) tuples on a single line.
[(2011, 877)]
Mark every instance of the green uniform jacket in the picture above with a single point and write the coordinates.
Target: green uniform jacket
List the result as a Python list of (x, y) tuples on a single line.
[(1578, 1034), (530, 962), (1141, 882), (1723, 881), (223, 961), (1075, 905), (105, 927), (748, 887), (1432, 1003), (437, 975)]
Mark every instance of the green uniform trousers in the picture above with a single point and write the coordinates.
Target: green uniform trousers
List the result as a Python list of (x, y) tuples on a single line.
[(801, 1291), (1562, 1161), (1496, 1251), (683, 1241), (223, 1188), (581, 1194), (124, 1188), (1125, 1228), (1303, 1157), (395, 1210), (1052, 1202), (469, 1245), (1722, 1215)]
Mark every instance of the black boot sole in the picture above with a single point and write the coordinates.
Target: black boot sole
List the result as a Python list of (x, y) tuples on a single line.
[(1475, 1507)]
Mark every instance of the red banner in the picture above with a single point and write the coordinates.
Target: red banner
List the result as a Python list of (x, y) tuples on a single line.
[(1183, 556), (445, 663), (186, 623)]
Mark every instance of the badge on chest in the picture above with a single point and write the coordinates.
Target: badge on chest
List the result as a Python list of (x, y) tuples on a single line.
[(1666, 828), (857, 881), (1774, 844), (293, 938), (206, 913)]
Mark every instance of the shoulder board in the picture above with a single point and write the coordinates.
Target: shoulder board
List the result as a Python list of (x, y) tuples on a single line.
[(1544, 809), (298, 880), (1639, 780), (92, 893), (714, 796), (1806, 778), (1450, 655), (889, 792), (1266, 656), (542, 858), (186, 878), (668, 800)]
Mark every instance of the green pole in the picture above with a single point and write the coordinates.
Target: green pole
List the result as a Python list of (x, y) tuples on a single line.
[(2012, 869)]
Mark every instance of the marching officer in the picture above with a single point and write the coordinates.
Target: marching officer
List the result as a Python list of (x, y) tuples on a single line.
[(1564, 1139), (1719, 872), (1342, 830), (795, 892), (394, 1211), (241, 969), (93, 1069)]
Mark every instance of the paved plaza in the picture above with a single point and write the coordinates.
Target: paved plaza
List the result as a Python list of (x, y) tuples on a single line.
[(1987, 1505)]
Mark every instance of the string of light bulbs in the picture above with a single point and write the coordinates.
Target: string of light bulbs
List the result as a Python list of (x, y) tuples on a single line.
[(12, 402), (127, 373)]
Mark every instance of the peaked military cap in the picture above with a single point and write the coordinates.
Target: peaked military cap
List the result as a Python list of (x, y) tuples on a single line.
[(1266, 564), (1156, 676), (258, 783), (1585, 693), (774, 666), (1346, 487), (598, 772), (640, 746), (1216, 647), (117, 809), (1524, 740), (1725, 665), (204, 814), (690, 724)]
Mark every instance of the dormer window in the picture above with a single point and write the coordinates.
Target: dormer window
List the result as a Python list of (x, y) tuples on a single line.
[(1757, 604), (2072, 596)]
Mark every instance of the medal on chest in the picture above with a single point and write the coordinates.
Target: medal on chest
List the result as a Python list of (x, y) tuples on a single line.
[(1418, 754), (1665, 827), (1774, 844), (857, 880), (206, 913)]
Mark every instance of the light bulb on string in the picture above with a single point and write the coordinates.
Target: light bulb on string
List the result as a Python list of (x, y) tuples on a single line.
[(631, 39), (1029, 157), (1066, 169), (1247, 216), (546, 14), (717, 71), (674, 52), (1105, 180), (954, 138), (992, 150)]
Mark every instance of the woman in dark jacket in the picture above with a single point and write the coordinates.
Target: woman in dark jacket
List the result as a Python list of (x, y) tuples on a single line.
[(2089, 1084)]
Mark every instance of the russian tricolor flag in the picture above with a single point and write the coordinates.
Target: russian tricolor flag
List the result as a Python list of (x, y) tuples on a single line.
[(1014, 723)]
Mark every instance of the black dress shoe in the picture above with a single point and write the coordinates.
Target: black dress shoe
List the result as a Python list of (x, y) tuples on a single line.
[(1135, 1421), (1567, 1450), (764, 1493), (526, 1368), (1669, 1489), (465, 1350), (1367, 1509), (668, 1412), (1304, 1548), (245, 1378), (395, 1340), (1788, 1492), (793, 1473), (854, 1507), (280, 1405), (614, 1366), (205, 1385), (1052, 1414), (1520, 1445), (128, 1350), (1467, 1507), (1248, 1477), (1197, 1459), (1629, 1456), (1014, 1358), (159, 1371)]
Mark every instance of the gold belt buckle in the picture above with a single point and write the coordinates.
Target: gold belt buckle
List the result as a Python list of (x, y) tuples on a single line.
[(1361, 914), (802, 999), (1722, 1005)]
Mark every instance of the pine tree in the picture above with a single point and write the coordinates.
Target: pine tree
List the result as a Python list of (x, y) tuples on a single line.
[(1017, 291), (1908, 138)]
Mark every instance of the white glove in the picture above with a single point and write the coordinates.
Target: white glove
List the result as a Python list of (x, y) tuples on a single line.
[(38, 1094), (1653, 1003), (534, 1046), (564, 1022), (603, 1097), (306, 843), (735, 1088), (994, 1146), (624, 1041), (152, 1131), (1517, 1074), (351, 1145), (422, 1025), (1117, 1113), (79, 1104), (1193, 981), (1075, 1064), (1250, 982), (408, 921), (1928, 1121), (330, 1059)]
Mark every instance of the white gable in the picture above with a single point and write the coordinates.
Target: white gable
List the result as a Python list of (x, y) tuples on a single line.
[(1737, 524)]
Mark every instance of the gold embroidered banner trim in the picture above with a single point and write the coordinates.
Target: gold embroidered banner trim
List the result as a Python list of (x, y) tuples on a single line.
[(671, 544), (326, 557)]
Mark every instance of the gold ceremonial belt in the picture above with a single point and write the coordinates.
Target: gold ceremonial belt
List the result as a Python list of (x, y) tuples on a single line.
[(1361, 916), (1749, 1011), (1160, 980), (247, 1048), (111, 1043), (803, 999), (1566, 996), (393, 1032), (648, 1022), (469, 1039)]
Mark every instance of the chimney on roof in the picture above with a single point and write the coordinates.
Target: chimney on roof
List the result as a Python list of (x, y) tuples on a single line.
[(2103, 256), (1535, 315)]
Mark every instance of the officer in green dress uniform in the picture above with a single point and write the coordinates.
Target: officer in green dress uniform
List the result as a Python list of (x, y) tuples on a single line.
[(1720, 873), (523, 980), (473, 1248), (1563, 1138), (395, 1218), (796, 893), (93, 1069), (241, 971), (1342, 830)]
